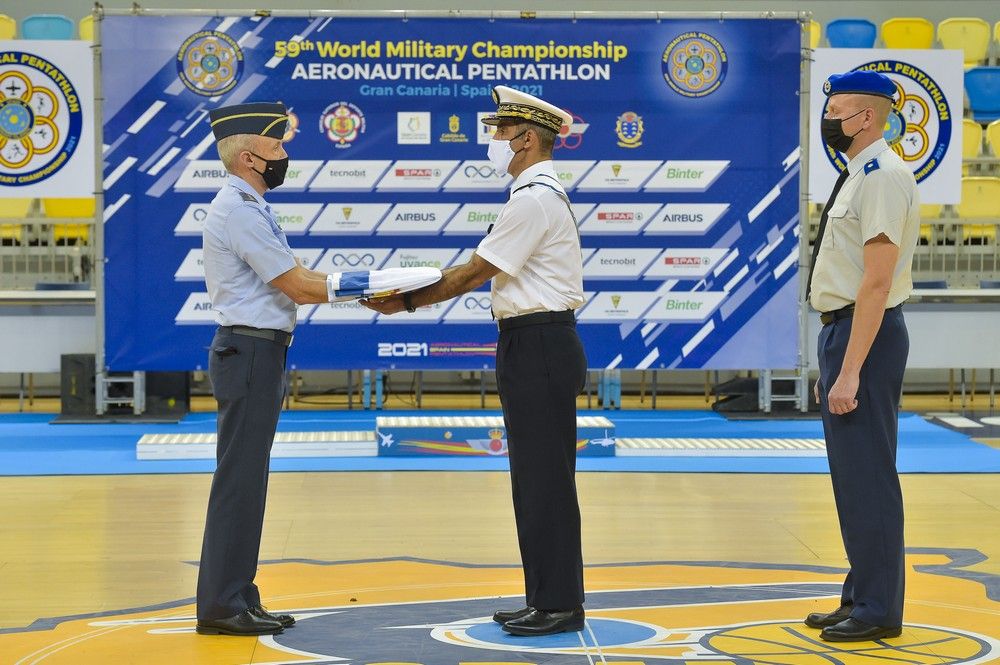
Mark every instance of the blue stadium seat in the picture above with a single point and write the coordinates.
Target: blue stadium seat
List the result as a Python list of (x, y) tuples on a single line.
[(982, 85), (931, 284), (851, 33), (47, 26), (989, 283)]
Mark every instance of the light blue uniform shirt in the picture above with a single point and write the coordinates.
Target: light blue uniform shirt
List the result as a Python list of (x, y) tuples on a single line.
[(244, 249)]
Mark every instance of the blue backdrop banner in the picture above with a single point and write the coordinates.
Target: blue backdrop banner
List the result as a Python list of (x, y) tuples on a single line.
[(682, 164)]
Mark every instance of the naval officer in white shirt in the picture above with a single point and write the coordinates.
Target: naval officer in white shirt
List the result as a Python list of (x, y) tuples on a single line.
[(532, 254)]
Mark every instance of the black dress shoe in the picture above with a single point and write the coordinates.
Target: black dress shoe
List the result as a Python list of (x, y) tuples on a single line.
[(503, 616), (286, 620), (855, 630), (244, 623), (820, 620), (540, 622)]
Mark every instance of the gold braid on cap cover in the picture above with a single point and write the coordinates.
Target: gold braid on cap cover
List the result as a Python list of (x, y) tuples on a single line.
[(530, 113)]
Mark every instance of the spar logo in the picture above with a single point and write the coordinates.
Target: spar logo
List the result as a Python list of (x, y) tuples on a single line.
[(210, 63), (41, 121), (919, 127), (694, 64)]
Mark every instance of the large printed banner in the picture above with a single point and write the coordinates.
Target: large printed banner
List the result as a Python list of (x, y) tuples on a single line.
[(682, 164), (924, 127), (46, 119)]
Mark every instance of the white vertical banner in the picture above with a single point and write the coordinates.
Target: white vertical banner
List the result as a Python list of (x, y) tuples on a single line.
[(46, 119), (924, 128)]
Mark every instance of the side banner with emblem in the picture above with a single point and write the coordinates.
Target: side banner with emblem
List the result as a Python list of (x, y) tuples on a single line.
[(46, 119), (681, 165), (924, 127)]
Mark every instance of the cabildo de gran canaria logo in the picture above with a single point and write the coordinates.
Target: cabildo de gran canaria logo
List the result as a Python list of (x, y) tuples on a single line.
[(210, 63), (419, 612), (40, 119), (695, 64), (919, 127)]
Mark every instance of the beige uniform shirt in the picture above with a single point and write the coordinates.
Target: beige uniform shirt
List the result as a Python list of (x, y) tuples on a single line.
[(879, 196), (535, 244)]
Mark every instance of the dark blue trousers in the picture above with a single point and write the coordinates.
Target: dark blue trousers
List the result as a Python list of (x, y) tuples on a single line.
[(248, 379), (861, 448), (540, 371)]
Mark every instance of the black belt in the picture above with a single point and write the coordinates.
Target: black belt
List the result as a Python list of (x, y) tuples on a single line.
[(279, 336), (826, 318), (536, 318)]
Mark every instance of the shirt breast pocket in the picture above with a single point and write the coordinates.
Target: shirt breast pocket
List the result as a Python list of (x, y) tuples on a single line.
[(836, 219)]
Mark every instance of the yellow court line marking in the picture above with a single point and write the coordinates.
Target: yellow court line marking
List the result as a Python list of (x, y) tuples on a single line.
[(72, 641), (931, 603), (460, 585)]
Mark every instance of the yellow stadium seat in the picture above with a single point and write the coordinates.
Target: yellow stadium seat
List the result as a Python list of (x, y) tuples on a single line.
[(70, 233), (87, 28), (929, 211), (980, 198), (8, 27), (13, 209), (970, 35), (993, 136), (972, 138), (912, 32), (816, 33)]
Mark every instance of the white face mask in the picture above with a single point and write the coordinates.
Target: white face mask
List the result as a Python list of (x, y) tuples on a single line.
[(500, 154)]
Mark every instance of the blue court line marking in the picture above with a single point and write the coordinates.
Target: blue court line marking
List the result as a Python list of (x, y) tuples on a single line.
[(959, 558), (30, 445)]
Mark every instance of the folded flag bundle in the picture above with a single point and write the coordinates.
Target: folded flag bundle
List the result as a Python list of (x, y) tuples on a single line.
[(378, 283)]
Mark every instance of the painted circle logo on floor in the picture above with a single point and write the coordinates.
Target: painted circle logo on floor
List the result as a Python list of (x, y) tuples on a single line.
[(792, 643), (41, 120), (437, 613)]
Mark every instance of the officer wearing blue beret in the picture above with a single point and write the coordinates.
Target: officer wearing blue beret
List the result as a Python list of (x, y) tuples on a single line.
[(859, 279), (254, 282)]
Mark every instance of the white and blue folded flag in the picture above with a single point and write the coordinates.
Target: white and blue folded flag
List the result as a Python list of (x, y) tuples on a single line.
[(356, 284)]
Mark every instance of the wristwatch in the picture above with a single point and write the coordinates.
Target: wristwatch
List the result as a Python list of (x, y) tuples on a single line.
[(408, 304)]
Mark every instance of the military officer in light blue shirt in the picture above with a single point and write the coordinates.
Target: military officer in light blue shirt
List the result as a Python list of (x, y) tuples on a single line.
[(255, 283)]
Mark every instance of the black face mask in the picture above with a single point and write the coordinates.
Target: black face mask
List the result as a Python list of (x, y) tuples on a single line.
[(832, 130), (274, 172)]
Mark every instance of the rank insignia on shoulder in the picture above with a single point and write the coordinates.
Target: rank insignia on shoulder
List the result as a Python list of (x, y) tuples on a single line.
[(249, 198), (871, 166)]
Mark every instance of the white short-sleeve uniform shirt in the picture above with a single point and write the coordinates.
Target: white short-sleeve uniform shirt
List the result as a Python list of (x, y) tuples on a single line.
[(536, 245), (879, 196)]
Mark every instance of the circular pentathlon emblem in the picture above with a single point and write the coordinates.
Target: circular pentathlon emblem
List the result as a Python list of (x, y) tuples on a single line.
[(41, 121), (210, 63), (919, 127), (695, 64), (342, 123)]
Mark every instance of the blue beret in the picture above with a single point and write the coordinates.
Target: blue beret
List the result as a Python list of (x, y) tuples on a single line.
[(860, 82), (262, 119)]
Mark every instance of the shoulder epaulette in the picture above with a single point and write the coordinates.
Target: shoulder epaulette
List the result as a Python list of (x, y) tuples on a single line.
[(871, 166)]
